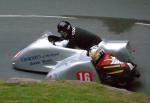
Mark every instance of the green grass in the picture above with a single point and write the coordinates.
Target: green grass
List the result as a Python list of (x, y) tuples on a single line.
[(66, 92)]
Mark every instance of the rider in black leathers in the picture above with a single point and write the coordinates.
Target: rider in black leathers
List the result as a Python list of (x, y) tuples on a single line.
[(77, 37)]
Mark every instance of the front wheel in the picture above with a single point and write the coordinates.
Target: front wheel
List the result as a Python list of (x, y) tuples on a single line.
[(123, 84), (116, 81)]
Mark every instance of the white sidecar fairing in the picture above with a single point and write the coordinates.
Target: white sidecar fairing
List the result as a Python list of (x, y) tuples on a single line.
[(43, 56), (76, 67), (119, 48)]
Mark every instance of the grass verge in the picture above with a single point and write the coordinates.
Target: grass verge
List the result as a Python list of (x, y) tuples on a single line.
[(66, 92)]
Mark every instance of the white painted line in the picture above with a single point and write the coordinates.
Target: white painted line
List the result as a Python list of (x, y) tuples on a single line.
[(37, 16), (144, 24)]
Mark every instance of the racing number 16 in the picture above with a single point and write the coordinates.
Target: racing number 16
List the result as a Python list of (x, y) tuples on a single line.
[(84, 76)]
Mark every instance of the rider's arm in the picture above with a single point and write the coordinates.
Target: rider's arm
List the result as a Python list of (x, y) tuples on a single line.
[(71, 43)]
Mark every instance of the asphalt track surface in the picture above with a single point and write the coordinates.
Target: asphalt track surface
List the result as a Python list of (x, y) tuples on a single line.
[(21, 24)]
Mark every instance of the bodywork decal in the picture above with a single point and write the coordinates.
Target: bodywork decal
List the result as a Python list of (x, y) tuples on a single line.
[(84, 76)]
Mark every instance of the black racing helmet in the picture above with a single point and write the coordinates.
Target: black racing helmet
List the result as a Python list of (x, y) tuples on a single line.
[(64, 27)]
